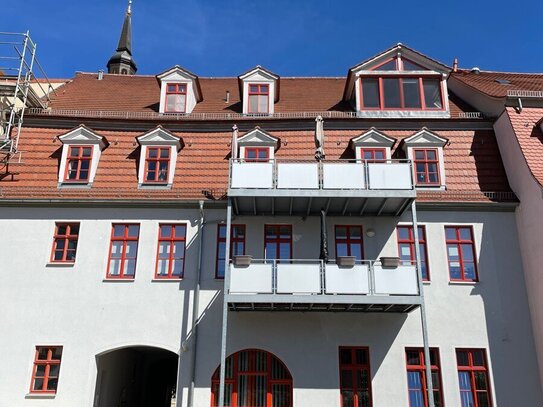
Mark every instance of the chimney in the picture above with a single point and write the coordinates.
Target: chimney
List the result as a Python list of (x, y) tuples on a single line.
[(100, 74), (455, 65), (227, 98)]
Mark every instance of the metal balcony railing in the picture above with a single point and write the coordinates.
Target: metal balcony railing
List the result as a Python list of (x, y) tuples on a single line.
[(321, 175), (316, 278)]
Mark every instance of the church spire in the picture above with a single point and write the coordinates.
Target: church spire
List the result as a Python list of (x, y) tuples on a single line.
[(121, 62)]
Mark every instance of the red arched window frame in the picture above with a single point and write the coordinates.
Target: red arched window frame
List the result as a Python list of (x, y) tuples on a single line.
[(251, 366)]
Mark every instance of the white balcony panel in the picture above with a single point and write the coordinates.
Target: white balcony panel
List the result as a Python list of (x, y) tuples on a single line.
[(298, 176), (256, 278), (389, 176), (401, 280), (347, 280), (252, 175), (343, 176), (298, 279)]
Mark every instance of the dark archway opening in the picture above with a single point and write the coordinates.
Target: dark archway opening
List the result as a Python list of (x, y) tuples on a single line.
[(138, 376)]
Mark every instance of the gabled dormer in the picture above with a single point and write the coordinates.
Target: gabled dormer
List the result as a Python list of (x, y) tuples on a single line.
[(257, 145), (81, 151), (425, 150), (372, 145), (399, 83), (158, 157), (259, 90), (179, 91)]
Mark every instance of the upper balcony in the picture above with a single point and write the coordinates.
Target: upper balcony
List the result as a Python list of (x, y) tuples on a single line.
[(340, 187), (314, 285)]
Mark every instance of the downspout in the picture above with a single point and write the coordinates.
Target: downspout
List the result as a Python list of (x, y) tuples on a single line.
[(195, 306)]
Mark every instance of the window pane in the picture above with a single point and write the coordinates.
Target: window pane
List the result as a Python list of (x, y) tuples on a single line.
[(345, 356), (462, 358), (450, 233), (388, 66), (53, 370), (114, 267), (391, 88), (347, 398), (410, 66), (253, 103), (164, 250), (263, 104), (165, 231), (411, 92), (52, 384), (341, 232), (180, 231), (131, 248), (341, 249), (116, 250), (133, 230), (38, 384), (478, 358), (413, 357), (346, 379), (361, 357), (162, 267), (40, 371), (465, 233), (370, 92), (130, 267), (284, 251), (356, 251), (179, 103), (170, 103), (432, 93), (179, 250), (177, 267)]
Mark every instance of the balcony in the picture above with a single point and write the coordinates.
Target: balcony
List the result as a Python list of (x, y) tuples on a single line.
[(341, 187), (312, 285)]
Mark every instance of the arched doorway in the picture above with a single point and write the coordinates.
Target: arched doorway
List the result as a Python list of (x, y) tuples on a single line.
[(137, 376), (254, 378)]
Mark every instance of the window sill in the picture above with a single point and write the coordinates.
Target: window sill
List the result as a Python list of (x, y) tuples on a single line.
[(157, 185), (463, 282), (118, 280), (426, 282), (59, 264), (166, 280), (40, 396), (75, 185), (431, 187)]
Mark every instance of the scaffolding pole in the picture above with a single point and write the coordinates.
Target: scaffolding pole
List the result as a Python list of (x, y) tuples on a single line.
[(427, 361), (225, 303)]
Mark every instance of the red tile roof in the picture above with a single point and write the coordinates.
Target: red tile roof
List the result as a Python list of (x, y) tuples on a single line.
[(142, 93), (472, 164), (530, 138), (486, 82)]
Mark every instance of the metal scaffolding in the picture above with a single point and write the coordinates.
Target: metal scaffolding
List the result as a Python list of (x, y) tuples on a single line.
[(20, 89)]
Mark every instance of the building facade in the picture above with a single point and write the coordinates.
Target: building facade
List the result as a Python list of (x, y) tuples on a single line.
[(265, 241)]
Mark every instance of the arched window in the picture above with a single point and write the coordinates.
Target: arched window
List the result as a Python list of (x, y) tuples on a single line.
[(254, 378)]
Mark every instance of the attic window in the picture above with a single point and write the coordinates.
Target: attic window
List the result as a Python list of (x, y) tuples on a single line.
[(401, 93), (503, 81), (176, 97)]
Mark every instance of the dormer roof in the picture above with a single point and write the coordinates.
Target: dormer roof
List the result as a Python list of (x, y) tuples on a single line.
[(179, 73), (160, 136), (258, 136), (83, 135), (373, 137), (425, 138), (260, 73)]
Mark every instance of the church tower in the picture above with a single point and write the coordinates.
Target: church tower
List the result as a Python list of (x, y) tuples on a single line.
[(121, 62)]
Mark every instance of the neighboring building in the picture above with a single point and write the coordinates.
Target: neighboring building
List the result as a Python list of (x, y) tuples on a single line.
[(134, 193), (515, 102)]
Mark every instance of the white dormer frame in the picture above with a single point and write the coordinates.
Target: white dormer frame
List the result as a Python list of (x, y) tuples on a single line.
[(259, 76), (258, 138), (426, 139), (158, 137), (80, 136), (369, 68), (179, 75), (372, 138)]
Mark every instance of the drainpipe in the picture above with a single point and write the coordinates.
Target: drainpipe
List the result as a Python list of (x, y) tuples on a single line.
[(195, 306)]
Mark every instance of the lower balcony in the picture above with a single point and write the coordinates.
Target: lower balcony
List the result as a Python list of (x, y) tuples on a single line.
[(312, 285)]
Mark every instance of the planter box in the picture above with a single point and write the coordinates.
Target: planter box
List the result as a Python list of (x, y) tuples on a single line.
[(346, 261), (390, 262), (242, 261)]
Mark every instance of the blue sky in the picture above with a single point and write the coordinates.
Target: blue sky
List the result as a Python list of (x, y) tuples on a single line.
[(289, 37)]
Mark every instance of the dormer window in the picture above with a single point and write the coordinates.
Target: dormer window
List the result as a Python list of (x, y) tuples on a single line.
[(255, 154), (158, 157), (425, 150), (81, 153), (179, 91), (373, 146), (176, 97), (259, 96), (259, 89), (399, 83), (257, 145)]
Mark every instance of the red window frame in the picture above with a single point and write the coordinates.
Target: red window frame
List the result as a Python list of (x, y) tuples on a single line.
[(349, 240), (262, 90), (373, 152), (75, 155), (407, 75), (421, 370), (277, 241), (411, 242), (257, 152), (46, 364), (65, 241), (426, 161), (180, 89), (458, 242), (172, 240), (472, 370), (235, 241), (273, 366), (351, 371), (124, 239), (158, 160)]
